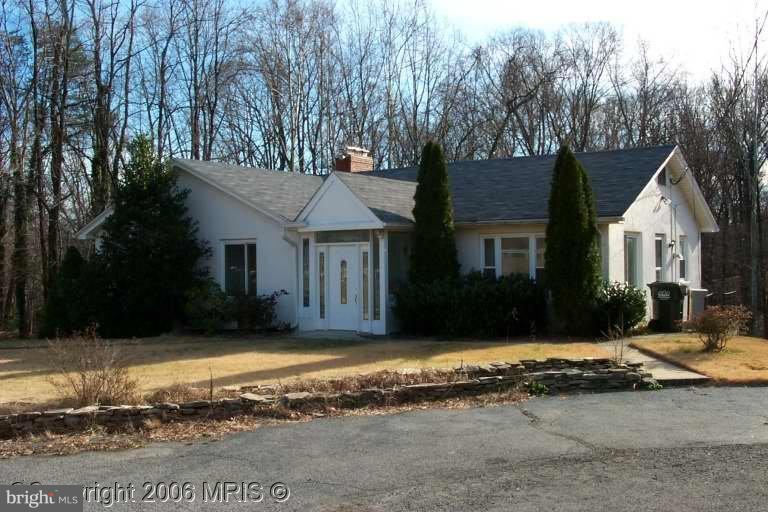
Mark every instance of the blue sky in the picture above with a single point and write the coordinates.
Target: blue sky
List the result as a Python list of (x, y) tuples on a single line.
[(696, 34)]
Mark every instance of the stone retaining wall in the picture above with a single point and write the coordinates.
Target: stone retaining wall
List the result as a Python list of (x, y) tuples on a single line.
[(558, 375)]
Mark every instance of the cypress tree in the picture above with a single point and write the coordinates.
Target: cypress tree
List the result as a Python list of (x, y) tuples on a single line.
[(573, 255), (434, 246)]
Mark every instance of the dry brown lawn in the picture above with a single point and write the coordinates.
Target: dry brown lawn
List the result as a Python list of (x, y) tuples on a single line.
[(744, 361), (163, 361)]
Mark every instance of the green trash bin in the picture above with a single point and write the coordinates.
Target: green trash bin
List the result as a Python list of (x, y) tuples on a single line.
[(667, 306)]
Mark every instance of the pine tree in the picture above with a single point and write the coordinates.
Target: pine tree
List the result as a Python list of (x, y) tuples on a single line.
[(149, 251), (573, 254), (434, 246)]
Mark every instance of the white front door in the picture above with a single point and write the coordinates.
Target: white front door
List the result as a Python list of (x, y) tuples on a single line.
[(343, 288)]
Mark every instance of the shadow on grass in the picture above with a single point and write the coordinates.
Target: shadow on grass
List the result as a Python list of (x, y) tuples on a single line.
[(342, 353)]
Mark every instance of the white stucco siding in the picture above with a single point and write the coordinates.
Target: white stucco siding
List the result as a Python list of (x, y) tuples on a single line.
[(223, 218), (649, 215)]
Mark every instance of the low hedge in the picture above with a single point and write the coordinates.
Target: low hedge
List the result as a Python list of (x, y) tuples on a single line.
[(473, 305)]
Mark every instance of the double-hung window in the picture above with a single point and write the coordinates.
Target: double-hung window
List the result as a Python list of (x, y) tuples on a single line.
[(682, 254), (505, 255), (660, 255), (240, 268)]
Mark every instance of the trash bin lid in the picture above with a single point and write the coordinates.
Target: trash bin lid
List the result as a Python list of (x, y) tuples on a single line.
[(663, 290)]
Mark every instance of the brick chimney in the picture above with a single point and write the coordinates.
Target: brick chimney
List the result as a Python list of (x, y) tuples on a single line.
[(354, 159)]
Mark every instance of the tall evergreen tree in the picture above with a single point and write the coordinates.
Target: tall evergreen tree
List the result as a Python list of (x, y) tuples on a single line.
[(149, 251), (434, 246), (573, 250)]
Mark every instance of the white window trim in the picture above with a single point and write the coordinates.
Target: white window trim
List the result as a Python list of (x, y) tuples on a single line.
[(222, 267), (498, 252)]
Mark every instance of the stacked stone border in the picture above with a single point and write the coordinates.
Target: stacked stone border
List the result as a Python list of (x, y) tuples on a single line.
[(551, 375)]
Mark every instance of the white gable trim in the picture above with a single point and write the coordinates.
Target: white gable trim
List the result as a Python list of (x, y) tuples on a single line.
[(86, 232), (699, 204), (230, 192), (371, 222)]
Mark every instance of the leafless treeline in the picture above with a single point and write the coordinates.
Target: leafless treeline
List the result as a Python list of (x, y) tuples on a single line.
[(283, 84)]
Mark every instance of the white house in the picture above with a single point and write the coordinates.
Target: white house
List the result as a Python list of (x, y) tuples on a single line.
[(339, 243)]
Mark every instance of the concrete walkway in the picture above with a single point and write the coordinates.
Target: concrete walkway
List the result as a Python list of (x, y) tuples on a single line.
[(666, 373)]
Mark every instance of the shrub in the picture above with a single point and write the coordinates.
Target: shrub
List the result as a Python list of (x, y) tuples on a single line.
[(91, 371), (620, 307), (472, 305), (257, 312), (717, 324), (207, 307)]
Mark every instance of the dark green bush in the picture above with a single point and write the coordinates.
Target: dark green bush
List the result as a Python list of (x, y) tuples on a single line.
[(620, 308), (207, 307), (64, 310), (472, 305), (257, 312)]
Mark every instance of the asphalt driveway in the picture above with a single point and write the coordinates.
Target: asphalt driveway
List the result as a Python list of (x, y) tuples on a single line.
[(677, 449)]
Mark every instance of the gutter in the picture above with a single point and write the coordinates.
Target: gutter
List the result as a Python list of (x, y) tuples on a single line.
[(600, 220)]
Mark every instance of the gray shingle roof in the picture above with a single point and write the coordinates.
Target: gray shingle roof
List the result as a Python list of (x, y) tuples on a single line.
[(515, 189), (511, 189), (391, 200), (283, 194)]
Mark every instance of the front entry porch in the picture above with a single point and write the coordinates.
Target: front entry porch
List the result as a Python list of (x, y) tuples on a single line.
[(344, 281)]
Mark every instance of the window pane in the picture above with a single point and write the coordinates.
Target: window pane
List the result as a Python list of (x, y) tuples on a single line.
[(490, 252), (343, 282), (376, 280), (365, 285), (683, 254), (234, 269), (514, 263), (514, 244), (630, 260), (321, 282), (659, 251), (252, 289), (541, 247), (334, 237), (305, 270), (515, 258)]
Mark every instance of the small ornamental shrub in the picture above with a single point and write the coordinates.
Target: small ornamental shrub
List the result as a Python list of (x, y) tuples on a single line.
[(207, 307), (472, 305), (257, 312), (89, 370), (620, 308), (718, 324)]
